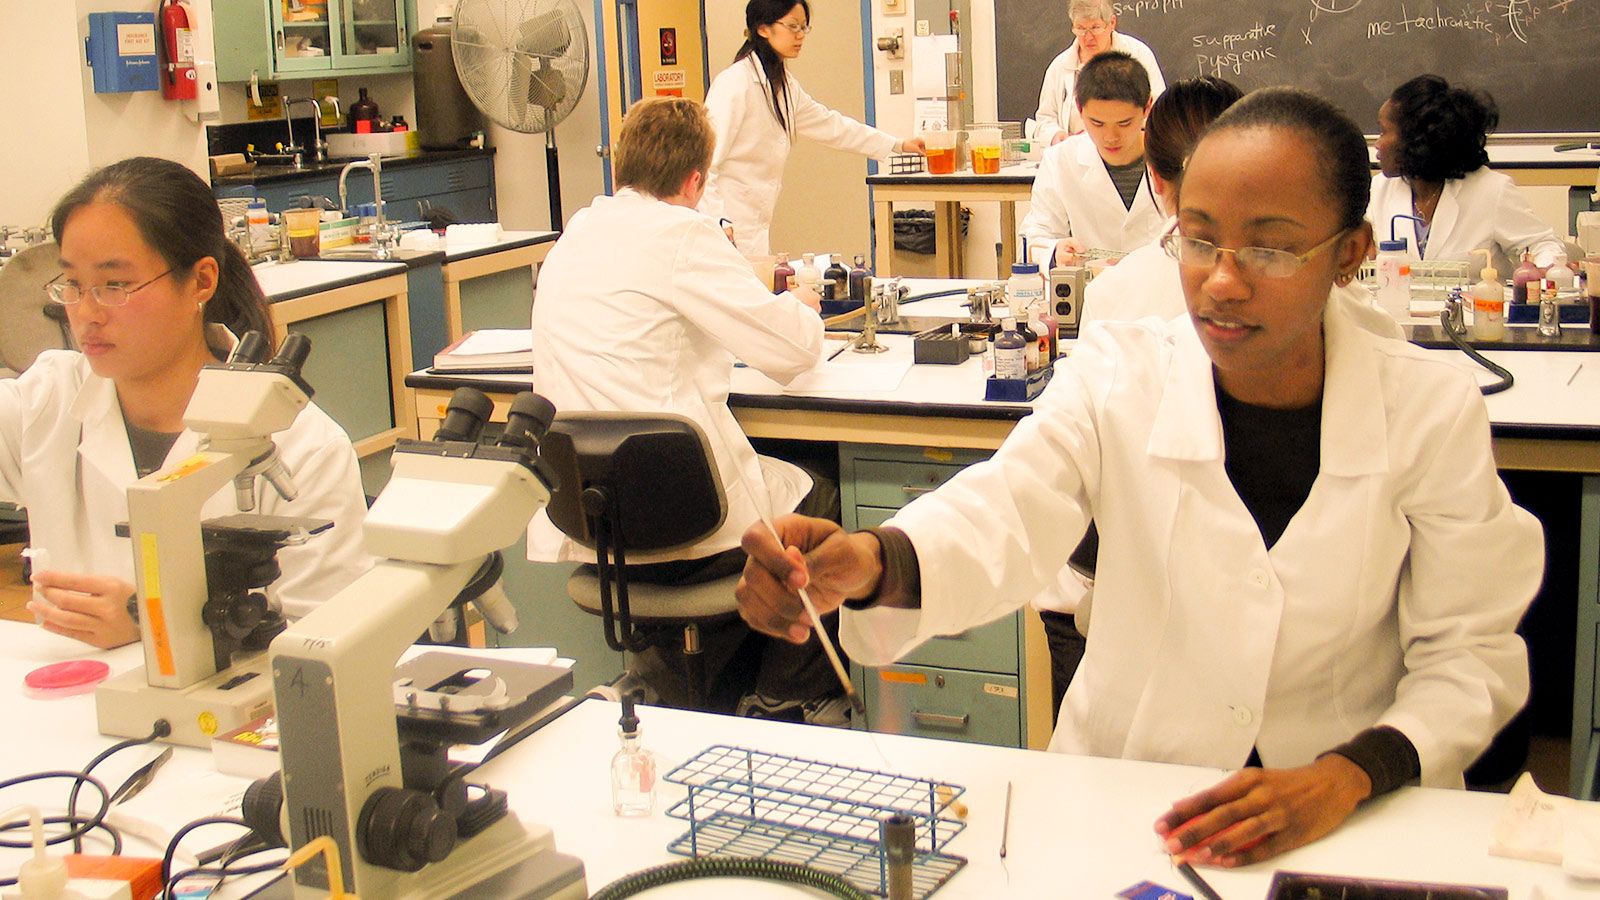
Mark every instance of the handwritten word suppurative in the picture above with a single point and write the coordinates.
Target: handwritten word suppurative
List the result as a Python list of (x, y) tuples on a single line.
[(1257, 32)]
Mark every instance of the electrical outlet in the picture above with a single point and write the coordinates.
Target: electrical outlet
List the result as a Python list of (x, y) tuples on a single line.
[(922, 28), (894, 7), (897, 81)]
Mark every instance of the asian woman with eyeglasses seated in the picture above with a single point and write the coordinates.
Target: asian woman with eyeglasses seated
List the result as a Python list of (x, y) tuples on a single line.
[(153, 291), (758, 109)]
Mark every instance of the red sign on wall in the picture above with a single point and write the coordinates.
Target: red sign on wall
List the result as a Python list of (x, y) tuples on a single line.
[(669, 46)]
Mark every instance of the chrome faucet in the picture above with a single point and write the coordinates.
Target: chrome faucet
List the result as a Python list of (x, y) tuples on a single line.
[(382, 233), (319, 149)]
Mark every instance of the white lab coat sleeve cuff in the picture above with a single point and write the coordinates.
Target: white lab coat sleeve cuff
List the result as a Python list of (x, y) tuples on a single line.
[(1474, 563), (880, 635)]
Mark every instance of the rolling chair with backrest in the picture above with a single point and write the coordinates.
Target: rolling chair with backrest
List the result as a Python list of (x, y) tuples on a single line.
[(640, 483)]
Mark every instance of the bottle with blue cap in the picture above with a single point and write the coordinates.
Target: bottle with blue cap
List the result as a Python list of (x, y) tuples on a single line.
[(1025, 287), (1394, 273)]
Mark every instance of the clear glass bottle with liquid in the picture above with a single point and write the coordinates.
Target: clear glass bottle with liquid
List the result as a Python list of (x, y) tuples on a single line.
[(860, 278), (782, 274), (836, 280), (633, 769)]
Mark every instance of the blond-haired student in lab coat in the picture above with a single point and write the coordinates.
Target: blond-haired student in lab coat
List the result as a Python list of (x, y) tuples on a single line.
[(1431, 139), (658, 328), (152, 287), (1308, 566), (1094, 31), (1092, 191), (758, 109)]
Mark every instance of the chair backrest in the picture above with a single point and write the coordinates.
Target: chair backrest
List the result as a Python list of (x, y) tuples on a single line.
[(29, 323), (656, 470)]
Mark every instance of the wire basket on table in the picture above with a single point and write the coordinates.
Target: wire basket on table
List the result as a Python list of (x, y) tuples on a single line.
[(907, 164), (749, 803)]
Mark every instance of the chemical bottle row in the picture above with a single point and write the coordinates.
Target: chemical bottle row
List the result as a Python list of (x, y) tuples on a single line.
[(832, 282), (1028, 340)]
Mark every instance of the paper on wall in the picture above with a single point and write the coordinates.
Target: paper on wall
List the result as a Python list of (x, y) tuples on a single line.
[(931, 115), (927, 64)]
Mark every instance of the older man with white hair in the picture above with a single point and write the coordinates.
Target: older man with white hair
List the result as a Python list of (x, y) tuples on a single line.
[(1094, 29)]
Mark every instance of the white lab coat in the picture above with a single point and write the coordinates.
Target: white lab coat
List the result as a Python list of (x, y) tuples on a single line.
[(1483, 210), (1058, 109), (1391, 599), (657, 326), (747, 165), (1073, 196), (64, 455)]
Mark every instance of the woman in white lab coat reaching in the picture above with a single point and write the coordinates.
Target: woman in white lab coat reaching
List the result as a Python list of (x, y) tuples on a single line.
[(758, 109), (1431, 140), (1308, 565), (152, 287)]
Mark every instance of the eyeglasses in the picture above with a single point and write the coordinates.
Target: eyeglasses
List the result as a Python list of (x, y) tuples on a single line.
[(67, 293), (1262, 261), (1087, 30), (797, 29)]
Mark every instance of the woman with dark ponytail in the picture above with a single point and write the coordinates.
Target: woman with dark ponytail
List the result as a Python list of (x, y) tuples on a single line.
[(758, 109), (153, 291)]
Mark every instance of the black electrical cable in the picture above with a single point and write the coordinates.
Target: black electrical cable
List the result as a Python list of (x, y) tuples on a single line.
[(79, 825), (177, 838), (160, 730), (1504, 374), (954, 292), (222, 871), (726, 867)]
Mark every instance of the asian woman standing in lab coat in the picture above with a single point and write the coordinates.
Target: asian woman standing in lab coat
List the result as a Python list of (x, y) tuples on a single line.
[(758, 109), (1431, 139), (1308, 565), (152, 287)]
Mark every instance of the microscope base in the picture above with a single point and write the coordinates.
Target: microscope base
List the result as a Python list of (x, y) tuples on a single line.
[(507, 861), (127, 705)]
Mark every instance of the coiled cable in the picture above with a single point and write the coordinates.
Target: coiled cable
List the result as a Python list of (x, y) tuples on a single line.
[(1504, 374), (726, 867)]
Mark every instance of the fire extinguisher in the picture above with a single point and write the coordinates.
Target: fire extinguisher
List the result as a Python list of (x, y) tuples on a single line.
[(177, 41)]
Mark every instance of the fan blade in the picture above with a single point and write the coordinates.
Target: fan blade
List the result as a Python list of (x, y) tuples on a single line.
[(547, 88), (544, 35)]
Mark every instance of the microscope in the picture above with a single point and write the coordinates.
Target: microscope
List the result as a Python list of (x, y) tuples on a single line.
[(203, 617), (363, 743)]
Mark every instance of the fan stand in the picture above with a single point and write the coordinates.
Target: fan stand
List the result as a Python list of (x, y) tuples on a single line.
[(552, 168)]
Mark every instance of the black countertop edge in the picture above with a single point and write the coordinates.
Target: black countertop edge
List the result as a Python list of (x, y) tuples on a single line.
[(271, 174), (1574, 339), (503, 246), (957, 180), (297, 293), (488, 386), (1513, 430), (1005, 412)]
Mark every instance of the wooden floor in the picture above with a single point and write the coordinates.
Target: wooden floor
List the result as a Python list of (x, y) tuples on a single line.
[(14, 592)]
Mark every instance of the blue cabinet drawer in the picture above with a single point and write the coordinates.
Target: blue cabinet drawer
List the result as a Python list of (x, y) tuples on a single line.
[(435, 178), (893, 484), (975, 707), (987, 648)]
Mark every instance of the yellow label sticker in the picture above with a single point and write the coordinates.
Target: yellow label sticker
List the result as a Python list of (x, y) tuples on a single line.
[(186, 468), (150, 569), (938, 455), (207, 723), (1001, 690), (903, 677)]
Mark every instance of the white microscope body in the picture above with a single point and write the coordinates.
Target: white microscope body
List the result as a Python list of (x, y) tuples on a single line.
[(236, 407), (446, 509)]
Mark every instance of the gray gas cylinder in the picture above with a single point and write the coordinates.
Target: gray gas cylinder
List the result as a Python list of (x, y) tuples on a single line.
[(446, 118)]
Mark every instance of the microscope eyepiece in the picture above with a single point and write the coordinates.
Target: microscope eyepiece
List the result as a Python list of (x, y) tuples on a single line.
[(292, 355), (528, 420), (464, 418), (252, 348)]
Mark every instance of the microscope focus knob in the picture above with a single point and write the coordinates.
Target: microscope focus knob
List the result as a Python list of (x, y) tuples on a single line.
[(262, 809), (404, 829)]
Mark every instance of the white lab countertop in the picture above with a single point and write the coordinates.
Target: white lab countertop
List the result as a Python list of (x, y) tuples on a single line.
[(1080, 826), (283, 281)]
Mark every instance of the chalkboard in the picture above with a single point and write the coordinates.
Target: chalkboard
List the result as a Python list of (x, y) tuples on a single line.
[(1539, 59)]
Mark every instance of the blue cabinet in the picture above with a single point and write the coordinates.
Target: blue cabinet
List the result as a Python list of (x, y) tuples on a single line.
[(966, 687)]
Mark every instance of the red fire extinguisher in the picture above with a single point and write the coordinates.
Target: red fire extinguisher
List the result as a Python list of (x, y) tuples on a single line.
[(177, 43)]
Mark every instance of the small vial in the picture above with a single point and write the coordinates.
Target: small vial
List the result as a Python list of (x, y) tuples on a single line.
[(1549, 311), (633, 769)]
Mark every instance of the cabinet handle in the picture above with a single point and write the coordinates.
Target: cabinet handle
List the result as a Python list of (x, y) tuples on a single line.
[(939, 720), (916, 490)]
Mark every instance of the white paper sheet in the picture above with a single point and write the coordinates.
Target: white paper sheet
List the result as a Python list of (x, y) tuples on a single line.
[(495, 340), (927, 64)]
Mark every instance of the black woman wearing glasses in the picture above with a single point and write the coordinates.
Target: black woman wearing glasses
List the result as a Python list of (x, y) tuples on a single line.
[(758, 109), (153, 291), (1308, 565), (1094, 31)]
